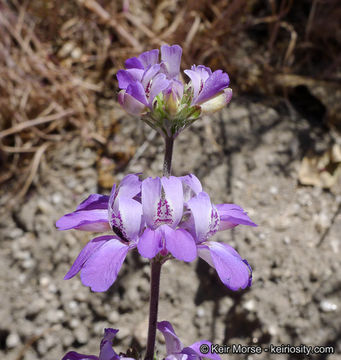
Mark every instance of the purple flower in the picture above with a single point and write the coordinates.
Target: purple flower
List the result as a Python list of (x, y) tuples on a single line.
[(101, 259), (106, 350), (210, 90), (145, 78), (204, 220), (175, 349), (163, 204)]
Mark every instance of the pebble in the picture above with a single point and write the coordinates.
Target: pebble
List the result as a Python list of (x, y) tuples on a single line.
[(56, 198), (201, 312), (113, 317), (82, 335), (327, 306), (249, 305), (13, 340)]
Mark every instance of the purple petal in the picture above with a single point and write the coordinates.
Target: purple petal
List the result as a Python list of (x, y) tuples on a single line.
[(171, 56), (151, 195), (130, 104), (173, 343), (94, 201), (126, 217), (159, 84), (218, 81), (124, 79), (91, 215), (150, 243), (107, 352), (149, 58), (136, 74), (133, 63), (89, 249), (136, 90), (191, 186), (201, 209), (174, 198), (232, 215), (180, 243), (231, 268), (101, 269), (196, 82), (149, 74), (130, 186), (196, 348), (72, 355)]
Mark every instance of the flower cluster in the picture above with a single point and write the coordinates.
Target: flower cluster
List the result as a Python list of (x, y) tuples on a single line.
[(174, 347), (161, 217), (154, 90)]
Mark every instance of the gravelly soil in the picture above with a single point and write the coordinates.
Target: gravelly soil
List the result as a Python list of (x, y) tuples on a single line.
[(249, 154)]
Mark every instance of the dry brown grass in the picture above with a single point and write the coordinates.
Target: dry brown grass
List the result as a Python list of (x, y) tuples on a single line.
[(58, 57)]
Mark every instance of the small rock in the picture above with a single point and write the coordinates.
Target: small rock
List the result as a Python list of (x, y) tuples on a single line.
[(82, 335), (13, 340), (113, 317), (327, 306), (56, 198), (200, 312)]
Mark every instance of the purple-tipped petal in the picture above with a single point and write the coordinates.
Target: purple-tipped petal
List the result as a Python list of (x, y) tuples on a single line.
[(133, 63), (218, 81), (174, 197), (191, 186), (94, 201), (173, 343), (91, 215), (231, 268), (150, 243), (136, 90), (101, 269), (180, 243), (171, 56), (196, 348), (232, 215), (130, 104), (149, 58), (151, 195), (107, 352), (72, 355)]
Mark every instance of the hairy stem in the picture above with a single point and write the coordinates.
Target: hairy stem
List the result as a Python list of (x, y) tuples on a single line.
[(153, 307), (167, 163)]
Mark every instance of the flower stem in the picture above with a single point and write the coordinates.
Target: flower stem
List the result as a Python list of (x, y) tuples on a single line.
[(167, 163), (153, 307), (156, 267)]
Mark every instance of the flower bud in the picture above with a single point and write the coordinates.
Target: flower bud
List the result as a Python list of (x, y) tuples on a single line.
[(217, 102)]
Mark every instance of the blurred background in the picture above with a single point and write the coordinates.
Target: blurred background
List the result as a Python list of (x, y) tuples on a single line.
[(275, 150)]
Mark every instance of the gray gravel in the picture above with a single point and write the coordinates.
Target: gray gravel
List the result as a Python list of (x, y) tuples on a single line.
[(248, 154)]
